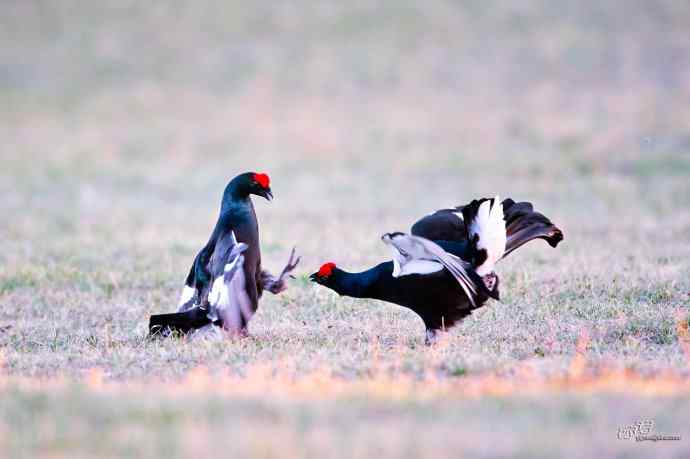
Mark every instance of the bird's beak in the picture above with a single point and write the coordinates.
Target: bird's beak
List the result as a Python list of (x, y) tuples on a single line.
[(267, 194), (313, 277), (386, 238)]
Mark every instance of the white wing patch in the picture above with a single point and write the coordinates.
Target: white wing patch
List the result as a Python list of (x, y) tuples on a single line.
[(218, 297), (228, 299), (219, 294), (413, 254), (415, 267), (490, 227)]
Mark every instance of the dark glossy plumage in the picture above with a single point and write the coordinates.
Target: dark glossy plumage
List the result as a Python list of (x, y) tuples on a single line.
[(437, 296), (238, 292), (523, 224)]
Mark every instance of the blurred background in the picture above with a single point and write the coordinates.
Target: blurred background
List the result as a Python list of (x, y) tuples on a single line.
[(122, 121), (110, 109)]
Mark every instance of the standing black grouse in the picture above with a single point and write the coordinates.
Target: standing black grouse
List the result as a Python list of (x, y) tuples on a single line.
[(445, 269), (225, 281)]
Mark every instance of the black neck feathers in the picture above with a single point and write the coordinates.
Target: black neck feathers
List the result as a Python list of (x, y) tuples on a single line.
[(236, 195), (359, 285)]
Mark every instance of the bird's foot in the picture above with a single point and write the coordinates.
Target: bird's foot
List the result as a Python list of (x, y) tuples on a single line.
[(276, 286), (279, 284)]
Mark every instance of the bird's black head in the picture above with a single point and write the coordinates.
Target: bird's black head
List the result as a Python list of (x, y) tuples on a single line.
[(326, 275), (244, 185)]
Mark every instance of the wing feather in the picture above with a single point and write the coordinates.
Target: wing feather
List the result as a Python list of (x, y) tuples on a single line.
[(408, 250), (457, 267)]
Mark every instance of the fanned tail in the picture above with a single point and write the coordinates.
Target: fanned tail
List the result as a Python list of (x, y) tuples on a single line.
[(523, 224)]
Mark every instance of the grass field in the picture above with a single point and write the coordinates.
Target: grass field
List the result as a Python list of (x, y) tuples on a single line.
[(121, 123)]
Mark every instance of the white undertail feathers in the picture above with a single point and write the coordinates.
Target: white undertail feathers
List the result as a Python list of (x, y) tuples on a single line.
[(489, 228)]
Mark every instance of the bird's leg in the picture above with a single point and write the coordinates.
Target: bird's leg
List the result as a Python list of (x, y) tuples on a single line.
[(431, 337), (274, 284), (242, 332)]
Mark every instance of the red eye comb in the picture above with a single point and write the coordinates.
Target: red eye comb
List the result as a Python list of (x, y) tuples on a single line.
[(263, 180), (326, 270)]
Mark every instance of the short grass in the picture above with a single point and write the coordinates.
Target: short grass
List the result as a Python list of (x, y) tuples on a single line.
[(121, 123)]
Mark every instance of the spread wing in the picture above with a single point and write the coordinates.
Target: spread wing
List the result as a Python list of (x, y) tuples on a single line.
[(412, 252), (228, 300), (223, 301)]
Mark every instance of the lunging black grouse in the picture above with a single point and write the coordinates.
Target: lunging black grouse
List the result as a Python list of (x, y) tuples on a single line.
[(445, 269), (226, 281)]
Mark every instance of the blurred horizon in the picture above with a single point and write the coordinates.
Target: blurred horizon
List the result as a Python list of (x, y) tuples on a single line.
[(483, 74)]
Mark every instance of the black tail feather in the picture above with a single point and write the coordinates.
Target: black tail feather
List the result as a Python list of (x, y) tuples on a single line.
[(523, 224), (179, 322)]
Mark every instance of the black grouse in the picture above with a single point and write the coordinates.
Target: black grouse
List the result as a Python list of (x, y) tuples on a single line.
[(226, 280), (445, 268)]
